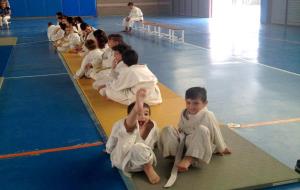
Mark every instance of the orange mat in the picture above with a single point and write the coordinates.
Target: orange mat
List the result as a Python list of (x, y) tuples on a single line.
[(108, 112)]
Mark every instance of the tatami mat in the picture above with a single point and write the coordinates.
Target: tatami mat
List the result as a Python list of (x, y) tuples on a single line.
[(8, 41), (247, 168), (108, 112)]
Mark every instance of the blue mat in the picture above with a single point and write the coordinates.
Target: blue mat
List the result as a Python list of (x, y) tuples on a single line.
[(4, 55), (42, 113), (80, 169), (34, 59)]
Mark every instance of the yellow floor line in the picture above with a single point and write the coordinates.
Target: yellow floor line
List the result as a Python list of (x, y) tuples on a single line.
[(8, 41), (266, 123), (1, 81)]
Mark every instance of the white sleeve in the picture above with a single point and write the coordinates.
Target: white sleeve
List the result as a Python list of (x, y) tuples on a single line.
[(218, 138), (125, 81), (113, 138)]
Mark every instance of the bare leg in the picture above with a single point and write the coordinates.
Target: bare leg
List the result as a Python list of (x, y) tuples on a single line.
[(151, 174), (184, 164)]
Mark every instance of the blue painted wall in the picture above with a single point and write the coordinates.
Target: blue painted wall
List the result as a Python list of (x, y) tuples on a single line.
[(35, 8), (265, 16)]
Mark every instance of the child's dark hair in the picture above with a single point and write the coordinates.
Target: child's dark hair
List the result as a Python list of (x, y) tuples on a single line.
[(62, 26), (49, 23), (83, 26), (130, 57), (70, 20), (195, 93), (59, 14), (101, 38), (130, 3), (116, 37), (121, 48), (90, 44), (78, 19), (130, 107)]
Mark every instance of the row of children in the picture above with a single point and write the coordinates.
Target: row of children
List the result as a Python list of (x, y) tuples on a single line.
[(5, 13), (118, 76)]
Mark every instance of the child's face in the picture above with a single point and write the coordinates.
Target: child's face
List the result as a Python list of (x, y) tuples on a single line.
[(118, 56), (64, 21), (193, 106), (112, 43), (144, 117)]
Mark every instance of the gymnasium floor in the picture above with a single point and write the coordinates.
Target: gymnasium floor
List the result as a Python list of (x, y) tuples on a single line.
[(251, 72)]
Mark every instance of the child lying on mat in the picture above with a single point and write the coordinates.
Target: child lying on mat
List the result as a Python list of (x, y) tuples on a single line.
[(136, 76), (200, 128), (91, 60), (108, 75), (133, 138)]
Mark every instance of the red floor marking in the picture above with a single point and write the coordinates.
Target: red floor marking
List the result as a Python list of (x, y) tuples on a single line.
[(271, 122), (37, 152)]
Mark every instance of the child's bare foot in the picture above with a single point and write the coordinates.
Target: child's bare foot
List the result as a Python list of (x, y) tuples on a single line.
[(151, 174), (226, 151), (140, 97), (184, 164)]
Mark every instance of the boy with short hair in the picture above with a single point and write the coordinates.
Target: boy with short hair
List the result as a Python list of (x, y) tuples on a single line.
[(108, 55), (200, 128), (135, 76), (92, 59), (135, 15), (133, 138), (118, 65)]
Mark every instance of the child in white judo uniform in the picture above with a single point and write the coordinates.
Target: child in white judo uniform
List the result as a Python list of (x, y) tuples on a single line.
[(132, 140), (135, 15), (136, 76), (70, 41), (58, 34), (5, 13), (118, 65), (200, 128), (91, 60), (108, 55)]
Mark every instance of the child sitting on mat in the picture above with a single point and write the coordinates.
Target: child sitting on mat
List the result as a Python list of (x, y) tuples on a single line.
[(200, 131), (133, 138), (118, 65), (135, 76), (92, 59)]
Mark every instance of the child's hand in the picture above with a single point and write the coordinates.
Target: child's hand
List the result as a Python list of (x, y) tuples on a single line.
[(114, 64)]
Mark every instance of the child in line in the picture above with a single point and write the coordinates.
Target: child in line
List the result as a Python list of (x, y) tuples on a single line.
[(132, 140), (5, 13), (201, 130), (51, 29), (70, 41), (108, 75), (108, 55), (58, 34), (93, 57), (136, 76)]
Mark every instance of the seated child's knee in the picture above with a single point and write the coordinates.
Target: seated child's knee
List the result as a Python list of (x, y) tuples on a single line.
[(202, 129), (141, 151)]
